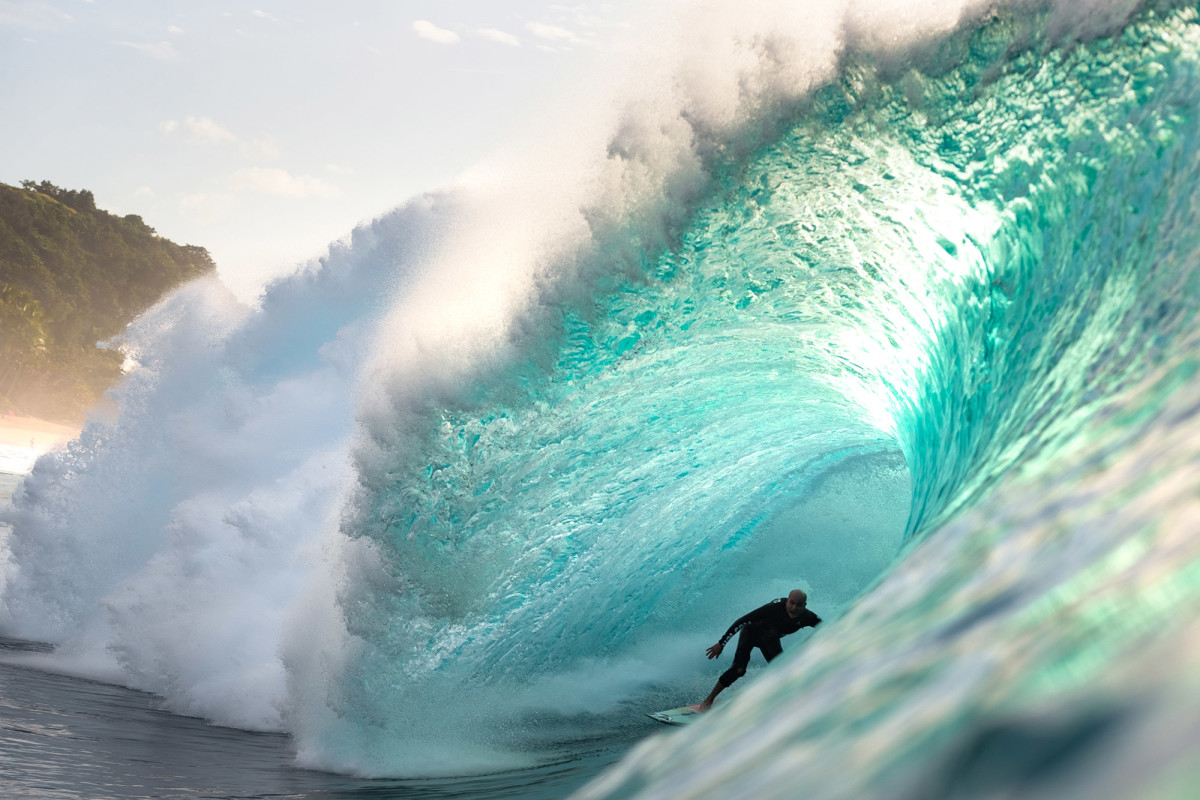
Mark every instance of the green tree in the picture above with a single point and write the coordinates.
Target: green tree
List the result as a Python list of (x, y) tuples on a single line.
[(74, 275), (22, 336)]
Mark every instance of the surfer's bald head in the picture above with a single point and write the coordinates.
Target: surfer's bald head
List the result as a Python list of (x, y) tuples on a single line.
[(796, 600)]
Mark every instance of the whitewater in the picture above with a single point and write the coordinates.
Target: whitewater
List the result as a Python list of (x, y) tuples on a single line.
[(891, 302)]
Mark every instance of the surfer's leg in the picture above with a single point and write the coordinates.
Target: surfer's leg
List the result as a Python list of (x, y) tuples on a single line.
[(706, 703), (727, 677), (741, 658), (770, 648)]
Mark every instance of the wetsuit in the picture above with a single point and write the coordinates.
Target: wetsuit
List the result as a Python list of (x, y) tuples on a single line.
[(763, 628)]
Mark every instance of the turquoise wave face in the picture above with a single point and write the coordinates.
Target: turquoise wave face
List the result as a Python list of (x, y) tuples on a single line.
[(1038, 638), (1085, 155), (935, 277)]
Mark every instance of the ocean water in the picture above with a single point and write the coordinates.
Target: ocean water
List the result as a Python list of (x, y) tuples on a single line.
[(892, 303)]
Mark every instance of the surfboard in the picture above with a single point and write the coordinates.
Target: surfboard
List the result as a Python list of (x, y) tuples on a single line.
[(677, 716)]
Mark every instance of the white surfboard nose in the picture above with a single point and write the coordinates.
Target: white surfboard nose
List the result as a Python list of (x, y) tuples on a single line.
[(676, 716)]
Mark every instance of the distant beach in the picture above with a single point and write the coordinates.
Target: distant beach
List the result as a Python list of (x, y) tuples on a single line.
[(23, 439)]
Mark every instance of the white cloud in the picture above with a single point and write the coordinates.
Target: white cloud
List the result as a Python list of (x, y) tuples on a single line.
[(175, 29), (162, 51), (427, 30), (206, 131), (267, 146), (499, 36), (31, 14), (278, 182), (264, 15), (553, 33), (199, 129)]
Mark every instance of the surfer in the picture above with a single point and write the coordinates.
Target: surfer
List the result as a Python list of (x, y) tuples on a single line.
[(762, 628)]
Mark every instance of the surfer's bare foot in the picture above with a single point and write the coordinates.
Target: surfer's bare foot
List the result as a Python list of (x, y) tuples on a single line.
[(701, 707)]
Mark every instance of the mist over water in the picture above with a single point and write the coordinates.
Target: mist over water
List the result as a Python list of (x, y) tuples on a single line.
[(826, 286)]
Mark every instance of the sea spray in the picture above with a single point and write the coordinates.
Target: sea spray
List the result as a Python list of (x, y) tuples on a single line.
[(167, 549)]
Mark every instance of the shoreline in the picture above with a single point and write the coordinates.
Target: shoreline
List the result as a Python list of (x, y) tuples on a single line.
[(24, 439), (35, 433)]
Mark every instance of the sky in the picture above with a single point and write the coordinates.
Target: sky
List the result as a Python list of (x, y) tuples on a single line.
[(265, 130)]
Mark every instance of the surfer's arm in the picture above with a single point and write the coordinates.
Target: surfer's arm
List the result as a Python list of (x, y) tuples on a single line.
[(753, 616)]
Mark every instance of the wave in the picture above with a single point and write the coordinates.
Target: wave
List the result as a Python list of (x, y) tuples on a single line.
[(465, 493)]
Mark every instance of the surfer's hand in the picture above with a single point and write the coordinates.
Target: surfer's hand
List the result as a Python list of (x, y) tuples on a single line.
[(715, 650)]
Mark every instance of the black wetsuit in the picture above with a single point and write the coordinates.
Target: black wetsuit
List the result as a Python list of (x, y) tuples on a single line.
[(763, 628)]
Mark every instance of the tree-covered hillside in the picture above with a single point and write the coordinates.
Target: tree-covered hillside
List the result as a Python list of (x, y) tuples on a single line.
[(72, 275)]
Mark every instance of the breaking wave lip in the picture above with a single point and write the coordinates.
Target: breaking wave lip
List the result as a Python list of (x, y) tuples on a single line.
[(265, 487)]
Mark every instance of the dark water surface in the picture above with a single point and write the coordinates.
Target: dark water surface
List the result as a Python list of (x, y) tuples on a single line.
[(64, 737)]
